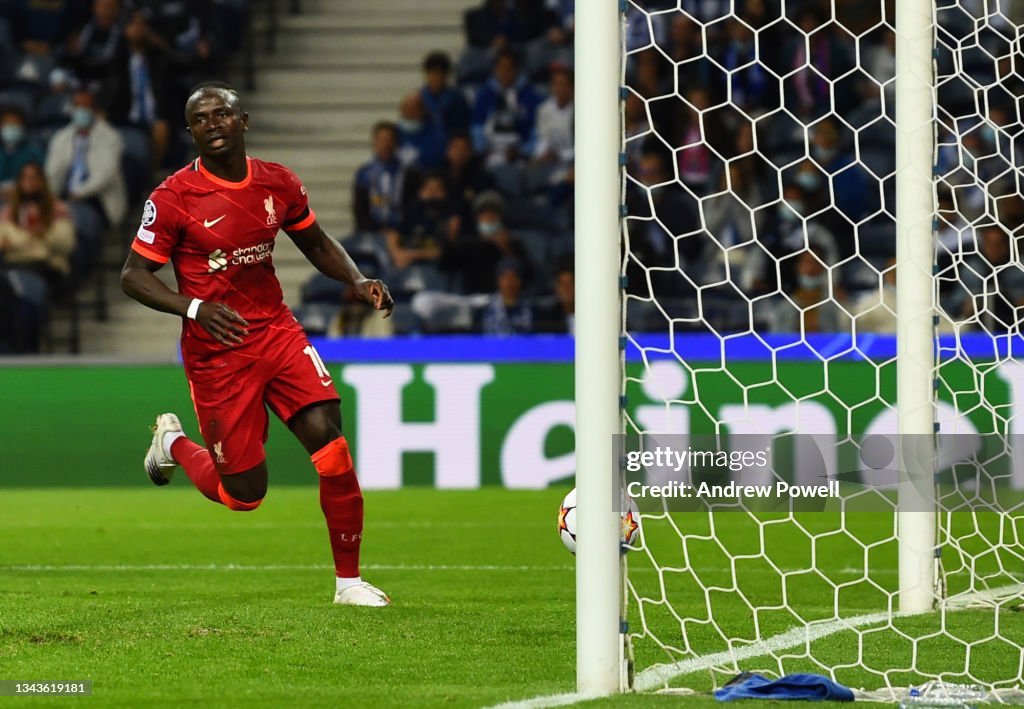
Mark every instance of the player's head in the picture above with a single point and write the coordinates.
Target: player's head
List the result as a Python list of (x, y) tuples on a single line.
[(214, 117)]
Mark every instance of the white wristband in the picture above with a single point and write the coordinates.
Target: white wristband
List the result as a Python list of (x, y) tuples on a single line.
[(193, 308)]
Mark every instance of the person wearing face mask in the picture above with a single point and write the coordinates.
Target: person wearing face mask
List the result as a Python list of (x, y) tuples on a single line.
[(83, 165), (471, 260), (815, 303), (422, 140), (37, 239), (415, 247), (16, 150)]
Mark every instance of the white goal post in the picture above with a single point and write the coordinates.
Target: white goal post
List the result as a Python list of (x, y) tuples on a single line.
[(598, 358)]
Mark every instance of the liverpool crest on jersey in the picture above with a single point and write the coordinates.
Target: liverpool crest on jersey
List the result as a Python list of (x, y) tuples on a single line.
[(268, 204)]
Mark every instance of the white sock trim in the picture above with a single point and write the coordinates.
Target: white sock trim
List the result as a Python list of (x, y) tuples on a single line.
[(342, 583), (169, 438)]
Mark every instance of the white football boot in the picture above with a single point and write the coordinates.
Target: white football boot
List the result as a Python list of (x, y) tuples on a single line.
[(362, 594), (159, 463)]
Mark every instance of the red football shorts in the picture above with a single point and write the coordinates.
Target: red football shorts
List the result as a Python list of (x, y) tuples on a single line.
[(232, 389)]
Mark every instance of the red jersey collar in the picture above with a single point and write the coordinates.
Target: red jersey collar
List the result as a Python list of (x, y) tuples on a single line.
[(226, 183)]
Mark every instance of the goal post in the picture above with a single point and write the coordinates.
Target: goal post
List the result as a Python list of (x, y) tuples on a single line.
[(598, 357), (915, 297)]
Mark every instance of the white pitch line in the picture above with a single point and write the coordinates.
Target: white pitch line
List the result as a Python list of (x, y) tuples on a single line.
[(273, 567)]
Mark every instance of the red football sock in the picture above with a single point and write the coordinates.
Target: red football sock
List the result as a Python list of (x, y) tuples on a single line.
[(198, 466), (342, 503)]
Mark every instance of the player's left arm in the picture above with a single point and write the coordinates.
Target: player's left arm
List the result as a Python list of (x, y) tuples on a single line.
[(331, 259)]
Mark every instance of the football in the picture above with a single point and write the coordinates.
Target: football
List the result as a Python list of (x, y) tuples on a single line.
[(630, 529)]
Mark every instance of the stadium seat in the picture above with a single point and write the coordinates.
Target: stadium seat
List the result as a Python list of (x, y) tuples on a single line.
[(321, 289), (316, 318)]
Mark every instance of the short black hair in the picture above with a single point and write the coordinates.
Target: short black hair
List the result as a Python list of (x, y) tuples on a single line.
[(226, 91), (386, 125), (437, 61)]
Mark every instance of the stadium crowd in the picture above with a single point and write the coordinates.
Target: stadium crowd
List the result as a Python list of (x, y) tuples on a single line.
[(88, 92), (759, 157), (760, 153)]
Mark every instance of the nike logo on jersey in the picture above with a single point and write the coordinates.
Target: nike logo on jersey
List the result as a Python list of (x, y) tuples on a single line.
[(327, 383), (209, 223)]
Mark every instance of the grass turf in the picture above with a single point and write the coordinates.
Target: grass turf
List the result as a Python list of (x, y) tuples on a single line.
[(163, 599)]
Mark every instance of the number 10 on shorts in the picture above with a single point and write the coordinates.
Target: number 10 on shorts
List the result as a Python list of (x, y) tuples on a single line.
[(321, 368)]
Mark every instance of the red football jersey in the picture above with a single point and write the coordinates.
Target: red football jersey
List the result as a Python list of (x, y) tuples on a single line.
[(219, 236)]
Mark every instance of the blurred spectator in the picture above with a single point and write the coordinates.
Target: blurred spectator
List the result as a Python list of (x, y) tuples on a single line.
[(139, 95), (471, 261), (414, 248), (848, 178), (555, 121), (36, 231), (875, 309), (685, 45), (465, 176), (881, 67), (16, 150), (423, 141), (559, 315), (732, 220), (990, 294), (83, 166), (445, 105), (555, 46), (54, 107), (663, 218), (955, 235), (96, 51), (508, 312), (748, 81), (41, 28), (36, 241), (815, 302), (180, 31), (813, 60), (500, 24), (380, 185), (694, 156), (505, 113)]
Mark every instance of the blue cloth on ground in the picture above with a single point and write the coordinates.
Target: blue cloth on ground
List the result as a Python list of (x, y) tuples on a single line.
[(804, 686)]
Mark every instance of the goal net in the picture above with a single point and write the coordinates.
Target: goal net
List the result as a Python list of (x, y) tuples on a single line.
[(760, 267)]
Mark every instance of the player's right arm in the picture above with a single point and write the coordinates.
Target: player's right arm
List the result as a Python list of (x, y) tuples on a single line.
[(139, 281), (154, 243)]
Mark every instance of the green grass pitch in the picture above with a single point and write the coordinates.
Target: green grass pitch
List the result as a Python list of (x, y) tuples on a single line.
[(164, 599)]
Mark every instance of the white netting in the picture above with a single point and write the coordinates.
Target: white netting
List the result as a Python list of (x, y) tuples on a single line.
[(760, 251)]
